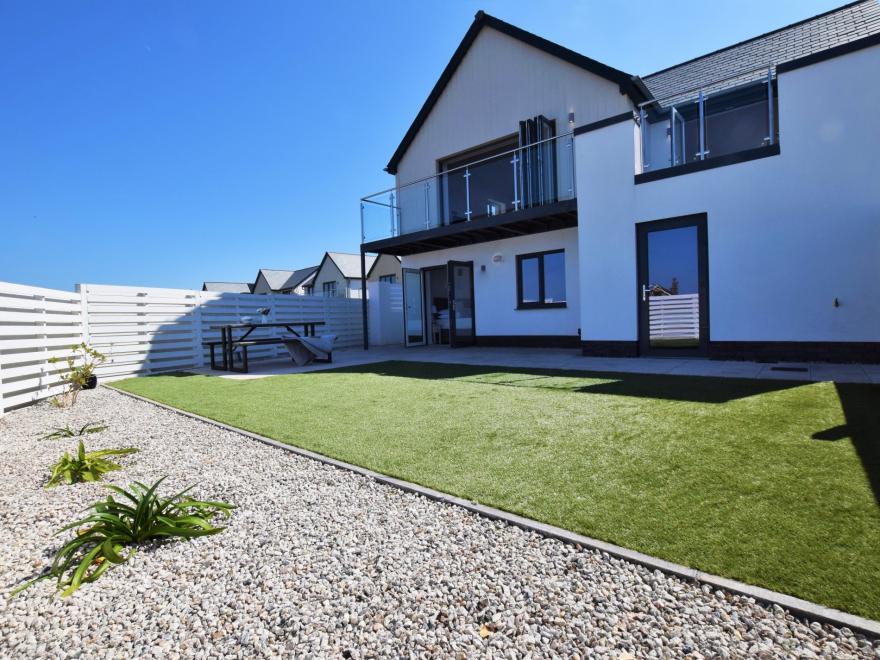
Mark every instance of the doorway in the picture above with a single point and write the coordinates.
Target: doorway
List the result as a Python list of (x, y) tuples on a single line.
[(673, 286), (439, 304), (461, 303)]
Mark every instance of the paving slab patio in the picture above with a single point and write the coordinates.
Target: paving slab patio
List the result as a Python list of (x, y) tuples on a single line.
[(569, 359)]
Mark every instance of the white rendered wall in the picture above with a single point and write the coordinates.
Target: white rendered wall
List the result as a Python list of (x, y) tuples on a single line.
[(787, 234), (500, 81), (495, 289)]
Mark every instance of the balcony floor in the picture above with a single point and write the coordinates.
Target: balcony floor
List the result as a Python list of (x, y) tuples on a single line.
[(548, 217)]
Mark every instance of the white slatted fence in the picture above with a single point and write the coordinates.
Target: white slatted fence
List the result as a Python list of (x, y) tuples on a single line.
[(141, 330), (35, 325)]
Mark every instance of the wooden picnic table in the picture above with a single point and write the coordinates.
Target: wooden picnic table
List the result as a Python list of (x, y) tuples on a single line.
[(228, 343)]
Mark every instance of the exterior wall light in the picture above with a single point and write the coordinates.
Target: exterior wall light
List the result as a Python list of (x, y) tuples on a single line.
[(571, 118)]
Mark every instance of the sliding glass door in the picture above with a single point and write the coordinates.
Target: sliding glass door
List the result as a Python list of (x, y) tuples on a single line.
[(413, 308), (461, 303)]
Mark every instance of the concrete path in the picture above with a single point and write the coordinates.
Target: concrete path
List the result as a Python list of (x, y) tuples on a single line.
[(571, 359)]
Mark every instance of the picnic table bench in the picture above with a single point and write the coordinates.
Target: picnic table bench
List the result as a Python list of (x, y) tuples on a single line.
[(228, 343)]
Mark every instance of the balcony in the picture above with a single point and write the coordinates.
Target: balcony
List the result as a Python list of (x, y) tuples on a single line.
[(725, 122), (512, 192)]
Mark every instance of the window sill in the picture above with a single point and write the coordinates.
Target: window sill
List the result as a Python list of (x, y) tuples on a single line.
[(711, 163), (559, 305)]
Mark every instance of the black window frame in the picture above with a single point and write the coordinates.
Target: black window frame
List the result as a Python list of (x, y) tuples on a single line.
[(325, 286), (541, 304), (390, 279)]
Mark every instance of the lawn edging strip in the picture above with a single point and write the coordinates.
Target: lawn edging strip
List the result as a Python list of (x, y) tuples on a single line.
[(797, 606)]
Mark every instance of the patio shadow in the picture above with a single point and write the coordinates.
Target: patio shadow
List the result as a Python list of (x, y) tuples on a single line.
[(698, 389)]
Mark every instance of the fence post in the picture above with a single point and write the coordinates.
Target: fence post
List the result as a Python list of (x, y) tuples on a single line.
[(271, 301), (2, 407), (197, 331), (83, 291)]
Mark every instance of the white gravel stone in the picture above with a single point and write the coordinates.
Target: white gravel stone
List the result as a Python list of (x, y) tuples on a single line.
[(321, 562)]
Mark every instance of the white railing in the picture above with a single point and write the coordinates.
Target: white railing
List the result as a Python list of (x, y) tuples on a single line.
[(674, 317), (141, 330)]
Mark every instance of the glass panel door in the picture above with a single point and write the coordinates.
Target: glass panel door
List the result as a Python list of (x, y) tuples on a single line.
[(673, 286), (413, 309), (461, 303)]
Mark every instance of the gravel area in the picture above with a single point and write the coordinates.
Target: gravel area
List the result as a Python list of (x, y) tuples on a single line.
[(321, 562)]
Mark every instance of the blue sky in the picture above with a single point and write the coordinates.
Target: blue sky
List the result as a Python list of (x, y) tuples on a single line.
[(165, 143)]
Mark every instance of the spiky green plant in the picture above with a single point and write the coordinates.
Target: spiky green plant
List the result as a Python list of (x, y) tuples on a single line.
[(69, 432), (112, 533), (85, 466)]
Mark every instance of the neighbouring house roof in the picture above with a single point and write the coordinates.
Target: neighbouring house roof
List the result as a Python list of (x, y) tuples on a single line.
[(228, 287), (348, 264), (749, 60), (309, 278), (377, 260), (283, 280), (625, 81)]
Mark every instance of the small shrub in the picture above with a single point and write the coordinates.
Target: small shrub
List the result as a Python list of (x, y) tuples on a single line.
[(77, 376), (85, 466), (69, 432), (112, 533)]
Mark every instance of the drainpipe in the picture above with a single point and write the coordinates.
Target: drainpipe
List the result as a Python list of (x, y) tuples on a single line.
[(364, 299)]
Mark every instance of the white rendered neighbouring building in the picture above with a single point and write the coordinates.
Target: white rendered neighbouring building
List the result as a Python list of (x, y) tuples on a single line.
[(726, 207)]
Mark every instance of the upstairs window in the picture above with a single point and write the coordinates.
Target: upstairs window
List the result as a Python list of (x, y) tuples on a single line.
[(389, 279), (540, 280), (329, 289)]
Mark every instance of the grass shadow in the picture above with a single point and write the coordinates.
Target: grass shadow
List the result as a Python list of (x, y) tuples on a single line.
[(861, 408), (698, 389)]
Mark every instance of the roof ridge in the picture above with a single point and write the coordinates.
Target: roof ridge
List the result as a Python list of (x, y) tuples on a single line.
[(755, 38)]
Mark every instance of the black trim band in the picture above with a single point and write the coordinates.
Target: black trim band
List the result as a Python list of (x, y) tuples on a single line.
[(593, 348), (602, 123), (529, 341), (700, 165), (831, 53), (798, 351)]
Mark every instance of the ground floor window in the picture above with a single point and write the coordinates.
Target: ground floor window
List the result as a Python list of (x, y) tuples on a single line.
[(540, 280), (329, 289), (390, 279)]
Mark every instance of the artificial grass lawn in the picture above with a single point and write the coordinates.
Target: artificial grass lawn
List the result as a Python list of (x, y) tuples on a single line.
[(773, 483)]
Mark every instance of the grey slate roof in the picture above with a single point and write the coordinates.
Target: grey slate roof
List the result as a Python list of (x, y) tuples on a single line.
[(228, 287), (748, 60), (350, 264), (280, 280)]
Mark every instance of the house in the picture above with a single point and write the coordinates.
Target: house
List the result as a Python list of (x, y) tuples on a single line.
[(228, 287), (285, 281), (542, 198), (339, 274)]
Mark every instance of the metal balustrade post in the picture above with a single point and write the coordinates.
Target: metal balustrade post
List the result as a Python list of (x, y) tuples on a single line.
[(571, 167), (467, 192), (515, 163), (363, 235), (702, 103), (771, 119), (427, 205), (392, 215)]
